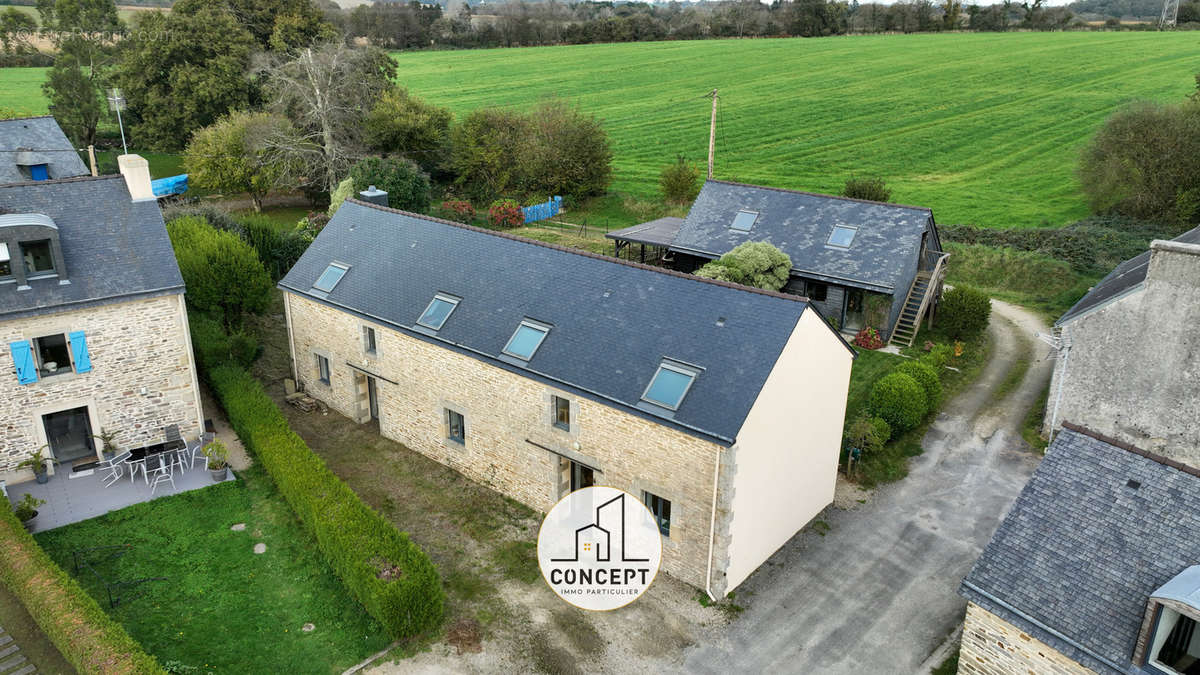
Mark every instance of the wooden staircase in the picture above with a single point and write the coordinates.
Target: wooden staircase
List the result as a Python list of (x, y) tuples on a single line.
[(927, 284)]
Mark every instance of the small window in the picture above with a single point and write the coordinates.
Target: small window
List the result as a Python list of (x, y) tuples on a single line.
[(562, 413), (37, 257), (743, 221), (526, 340), (670, 385), (661, 508), (842, 236), (438, 311), (1173, 648), (816, 291), (323, 369), (456, 427), (53, 355), (39, 172), (368, 339), (330, 277), (5, 261)]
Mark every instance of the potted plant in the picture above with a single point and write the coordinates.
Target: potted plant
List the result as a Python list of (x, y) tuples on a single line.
[(108, 439), (218, 460), (37, 462), (26, 509)]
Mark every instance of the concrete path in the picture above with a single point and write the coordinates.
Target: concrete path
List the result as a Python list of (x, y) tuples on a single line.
[(878, 592)]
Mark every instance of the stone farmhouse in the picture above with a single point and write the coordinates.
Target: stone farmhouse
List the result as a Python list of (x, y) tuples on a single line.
[(860, 263), (92, 321), (35, 148), (539, 370)]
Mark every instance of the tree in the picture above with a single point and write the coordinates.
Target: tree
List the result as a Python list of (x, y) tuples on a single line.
[(182, 72), (752, 263), (871, 189), (407, 186), (326, 92), (16, 27), (224, 276), (84, 31), (406, 125), (566, 153), (680, 182), (276, 25), (231, 155), (484, 147)]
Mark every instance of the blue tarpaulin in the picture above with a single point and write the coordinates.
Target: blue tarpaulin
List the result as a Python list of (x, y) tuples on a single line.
[(543, 211), (173, 185)]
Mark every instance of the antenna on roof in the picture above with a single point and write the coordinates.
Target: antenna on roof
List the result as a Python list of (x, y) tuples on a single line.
[(712, 132), (116, 102)]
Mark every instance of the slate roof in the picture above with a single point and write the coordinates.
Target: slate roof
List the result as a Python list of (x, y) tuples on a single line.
[(612, 322), (882, 257), (113, 248), (37, 140), (1082, 550), (1126, 277), (658, 232)]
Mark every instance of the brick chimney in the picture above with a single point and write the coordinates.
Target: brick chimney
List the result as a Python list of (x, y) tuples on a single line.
[(136, 171)]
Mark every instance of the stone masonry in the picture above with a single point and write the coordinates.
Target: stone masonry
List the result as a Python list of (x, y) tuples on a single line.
[(992, 646), (134, 345), (509, 431)]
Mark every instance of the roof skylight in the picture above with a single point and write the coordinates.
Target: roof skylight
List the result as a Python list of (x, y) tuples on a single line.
[(743, 221), (842, 236), (669, 385), (330, 277), (438, 311), (526, 340)]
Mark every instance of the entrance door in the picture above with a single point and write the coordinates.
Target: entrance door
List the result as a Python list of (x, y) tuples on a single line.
[(581, 476), (69, 433), (373, 397), (855, 312)]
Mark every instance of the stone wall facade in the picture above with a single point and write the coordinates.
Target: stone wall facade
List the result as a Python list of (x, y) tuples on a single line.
[(511, 444), (142, 379), (992, 646)]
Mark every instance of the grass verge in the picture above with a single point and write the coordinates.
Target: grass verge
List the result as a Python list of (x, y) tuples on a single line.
[(1031, 428)]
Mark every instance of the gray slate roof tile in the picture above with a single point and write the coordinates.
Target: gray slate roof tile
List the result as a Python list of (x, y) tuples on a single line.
[(41, 140)]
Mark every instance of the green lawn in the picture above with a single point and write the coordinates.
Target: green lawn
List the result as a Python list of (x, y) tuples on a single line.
[(223, 608), (867, 368), (983, 128)]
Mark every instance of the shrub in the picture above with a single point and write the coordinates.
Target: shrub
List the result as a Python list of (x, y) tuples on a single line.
[(938, 356), (680, 182), (505, 213), (341, 193), (224, 276), (871, 189), (87, 637), (899, 400), (407, 186), (215, 347), (868, 434), (483, 152), (964, 312), (927, 377), (458, 210), (752, 263), (390, 576), (407, 125), (278, 251), (868, 338)]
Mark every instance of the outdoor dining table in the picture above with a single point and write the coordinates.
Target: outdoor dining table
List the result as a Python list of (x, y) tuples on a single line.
[(153, 456)]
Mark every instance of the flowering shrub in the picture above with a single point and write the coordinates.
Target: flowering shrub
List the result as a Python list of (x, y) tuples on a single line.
[(505, 213), (868, 338), (458, 210)]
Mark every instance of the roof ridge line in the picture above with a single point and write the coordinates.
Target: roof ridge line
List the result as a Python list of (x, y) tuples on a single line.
[(57, 181), (1129, 447), (27, 117), (586, 254), (819, 194)]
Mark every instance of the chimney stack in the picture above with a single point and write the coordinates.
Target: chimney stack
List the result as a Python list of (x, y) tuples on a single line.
[(374, 195), (136, 171)]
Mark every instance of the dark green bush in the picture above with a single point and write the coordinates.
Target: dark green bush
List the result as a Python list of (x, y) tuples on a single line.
[(389, 575), (868, 434), (215, 347), (964, 312), (223, 274), (871, 189), (751, 263), (277, 250), (679, 182), (407, 186), (87, 637), (927, 377), (899, 400)]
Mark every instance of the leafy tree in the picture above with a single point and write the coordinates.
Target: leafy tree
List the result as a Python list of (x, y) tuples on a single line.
[(680, 182), (84, 31), (871, 189), (406, 125), (16, 27), (182, 71), (231, 155), (224, 276), (752, 263), (407, 186), (567, 153), (77, 97), (276, 25), (484, 147)]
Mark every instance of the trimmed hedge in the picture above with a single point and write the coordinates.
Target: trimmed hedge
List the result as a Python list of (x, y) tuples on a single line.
[(389, 575), (927, 377), (899, 400), (87, 637), (964, 312)]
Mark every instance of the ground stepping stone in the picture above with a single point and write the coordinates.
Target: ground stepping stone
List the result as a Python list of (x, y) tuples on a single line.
[(238, 527), (260, 548)]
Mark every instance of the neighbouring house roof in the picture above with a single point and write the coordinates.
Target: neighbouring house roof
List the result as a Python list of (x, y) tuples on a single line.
[(36, 140), (113, 247), (882, 255), (1126, 277), (611, 322), (1099, 527), (659, 232)]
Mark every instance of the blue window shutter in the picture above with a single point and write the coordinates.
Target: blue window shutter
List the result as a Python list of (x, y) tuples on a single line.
[(39, 172), (22, 354), (79, 351)]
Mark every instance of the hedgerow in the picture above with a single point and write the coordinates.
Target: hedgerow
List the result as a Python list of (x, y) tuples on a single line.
[(389, 575), (87, 637)]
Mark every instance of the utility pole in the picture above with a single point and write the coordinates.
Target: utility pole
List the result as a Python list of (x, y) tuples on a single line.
[(1170, 14), (712, 133), (92, 159)]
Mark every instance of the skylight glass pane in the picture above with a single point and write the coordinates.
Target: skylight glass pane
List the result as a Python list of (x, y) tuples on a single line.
[(437, 312), (525, 341), (330, 278), (668, 387), (744, 220), (842, 236)]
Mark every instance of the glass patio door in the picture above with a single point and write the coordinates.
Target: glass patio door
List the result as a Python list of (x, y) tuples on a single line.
[(69, 433)]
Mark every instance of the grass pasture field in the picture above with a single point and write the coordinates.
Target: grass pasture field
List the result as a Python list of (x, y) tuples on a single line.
[(983, 128)]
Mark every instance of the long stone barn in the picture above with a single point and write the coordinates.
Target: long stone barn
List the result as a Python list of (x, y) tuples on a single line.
[(538, 370)]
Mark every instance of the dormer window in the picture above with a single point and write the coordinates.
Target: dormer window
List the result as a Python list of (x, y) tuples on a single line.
[(35, 171), (670, 384), (842, 236), (1174, 650), (330, 277), (526, 340), (38, 257), (743, 221)]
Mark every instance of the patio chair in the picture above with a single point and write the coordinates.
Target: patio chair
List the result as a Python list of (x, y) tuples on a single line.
[(173, 437), (160, 479), (113, 468), (161, 467), (198, 449), (134, 466)]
